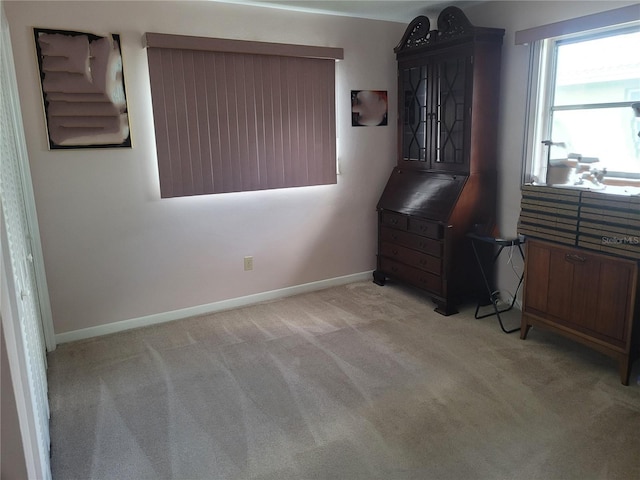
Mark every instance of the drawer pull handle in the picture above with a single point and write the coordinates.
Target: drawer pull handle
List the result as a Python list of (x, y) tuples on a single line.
[(572, 257), (394, 237), (394, 251), (394, 221)]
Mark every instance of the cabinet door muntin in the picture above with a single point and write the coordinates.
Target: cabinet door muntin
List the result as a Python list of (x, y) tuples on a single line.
[(434, 116), (452, 111)]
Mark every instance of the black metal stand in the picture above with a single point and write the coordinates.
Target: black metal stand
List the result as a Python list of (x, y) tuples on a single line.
[(494, 295)]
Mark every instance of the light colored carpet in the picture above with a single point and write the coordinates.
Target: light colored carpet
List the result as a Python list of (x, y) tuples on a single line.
[(353, 382)]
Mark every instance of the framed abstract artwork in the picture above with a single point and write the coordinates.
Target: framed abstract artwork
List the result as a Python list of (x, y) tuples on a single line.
[(83, 89), (368, 108)]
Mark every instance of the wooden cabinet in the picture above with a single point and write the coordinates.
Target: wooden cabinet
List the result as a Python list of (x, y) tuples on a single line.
[(444, 184), (589, 297), (448, 95)]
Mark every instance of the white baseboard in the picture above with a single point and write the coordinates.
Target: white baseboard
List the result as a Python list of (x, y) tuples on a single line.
[(207, 308)]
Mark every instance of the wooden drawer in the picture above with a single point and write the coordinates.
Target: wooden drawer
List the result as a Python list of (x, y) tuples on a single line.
[(415, 242), (425, 228), (394, 220), (411, 257), (414, 276)]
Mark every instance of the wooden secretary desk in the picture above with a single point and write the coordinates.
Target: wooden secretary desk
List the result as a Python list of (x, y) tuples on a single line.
[(444, 184)]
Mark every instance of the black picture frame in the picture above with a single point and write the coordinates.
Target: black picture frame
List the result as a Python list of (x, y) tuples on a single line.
[(49, 93)]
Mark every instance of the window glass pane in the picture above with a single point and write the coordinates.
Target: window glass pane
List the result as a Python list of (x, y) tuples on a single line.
[(611, 134), (602, 70)]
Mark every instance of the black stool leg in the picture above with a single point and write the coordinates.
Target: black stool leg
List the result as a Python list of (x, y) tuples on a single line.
[(493, 295)]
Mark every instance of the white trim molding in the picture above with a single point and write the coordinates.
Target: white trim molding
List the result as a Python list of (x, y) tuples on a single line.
[(214, 307), (22, 161), (20, 306), (618, 16)]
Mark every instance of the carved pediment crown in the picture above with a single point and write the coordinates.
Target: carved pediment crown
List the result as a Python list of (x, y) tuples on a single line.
[(452, 23), (417, 34)]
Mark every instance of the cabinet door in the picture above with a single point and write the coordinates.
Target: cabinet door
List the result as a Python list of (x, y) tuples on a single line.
[(587, 292), (434, 96), (419, 119), (453, 114)]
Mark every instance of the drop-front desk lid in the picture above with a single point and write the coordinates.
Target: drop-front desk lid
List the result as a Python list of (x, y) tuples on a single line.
[(421, 193)]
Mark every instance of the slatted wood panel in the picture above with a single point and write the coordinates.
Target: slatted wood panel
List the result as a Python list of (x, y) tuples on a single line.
[(228, 122), (17, 242)]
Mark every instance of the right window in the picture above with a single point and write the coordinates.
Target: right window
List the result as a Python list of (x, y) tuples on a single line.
[(587, 105)]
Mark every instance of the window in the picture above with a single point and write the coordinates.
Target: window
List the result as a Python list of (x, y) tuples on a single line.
[(239, 116), (584, 87)]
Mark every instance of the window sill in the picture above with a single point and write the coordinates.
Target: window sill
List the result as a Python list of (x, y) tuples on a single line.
[(617, 186)]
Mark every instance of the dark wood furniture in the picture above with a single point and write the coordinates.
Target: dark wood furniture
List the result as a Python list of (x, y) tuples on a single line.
[(444, 184), (589, 297), (581, 268)]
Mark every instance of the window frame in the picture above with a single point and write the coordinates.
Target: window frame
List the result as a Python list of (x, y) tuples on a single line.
[(539, 40), (545, 106)]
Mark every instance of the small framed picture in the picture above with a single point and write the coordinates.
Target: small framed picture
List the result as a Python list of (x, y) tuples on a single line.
[(368, 108)]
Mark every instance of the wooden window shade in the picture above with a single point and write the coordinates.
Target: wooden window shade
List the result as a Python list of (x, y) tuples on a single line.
[(235, 120)]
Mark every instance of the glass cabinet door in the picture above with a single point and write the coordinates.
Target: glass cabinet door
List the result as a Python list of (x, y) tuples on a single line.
[(452, 108), (434, 115), (419, 119)]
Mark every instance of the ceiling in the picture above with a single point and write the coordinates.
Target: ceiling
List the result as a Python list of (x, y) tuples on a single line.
[(402, 11)]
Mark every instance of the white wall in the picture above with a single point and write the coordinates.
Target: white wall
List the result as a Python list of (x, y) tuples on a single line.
[(115, 251), (514, 16)]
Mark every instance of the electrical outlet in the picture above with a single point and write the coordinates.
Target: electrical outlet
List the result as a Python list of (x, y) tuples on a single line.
[(248, 263)]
